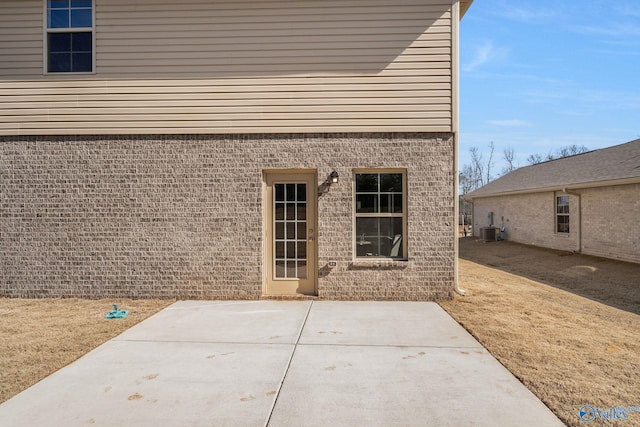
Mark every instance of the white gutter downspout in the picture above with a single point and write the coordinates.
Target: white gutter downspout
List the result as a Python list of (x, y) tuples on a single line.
[(579, 231), (456, 285), (455, 19)]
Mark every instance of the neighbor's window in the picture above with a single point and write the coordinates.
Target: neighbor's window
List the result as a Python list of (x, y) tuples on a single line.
[(69, 36), (380, 214), (562, 214)]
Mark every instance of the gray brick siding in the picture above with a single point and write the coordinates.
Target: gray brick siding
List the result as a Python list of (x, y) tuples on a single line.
[(610, 224), (607, 220), (182, 216)]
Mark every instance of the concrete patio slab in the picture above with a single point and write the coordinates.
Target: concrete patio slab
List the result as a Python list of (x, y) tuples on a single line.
[(403, 386), (224, 321), (157, 384), (383, 323), (284, 363)]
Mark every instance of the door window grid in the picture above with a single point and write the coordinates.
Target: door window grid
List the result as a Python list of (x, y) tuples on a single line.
[(290, 224)]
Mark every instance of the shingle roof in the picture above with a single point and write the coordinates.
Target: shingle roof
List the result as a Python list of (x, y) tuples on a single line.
[(608, 166)]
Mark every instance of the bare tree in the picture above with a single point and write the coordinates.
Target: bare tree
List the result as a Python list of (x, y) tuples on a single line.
[(481, 171), (473, 176), (477, 167), (477, 173), (510, 157), (535, 159), (570, 150), (468, 181), (550, 156), (490, 164), (566, 151)]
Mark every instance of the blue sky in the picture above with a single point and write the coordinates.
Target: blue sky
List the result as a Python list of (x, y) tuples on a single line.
[(536, 75)]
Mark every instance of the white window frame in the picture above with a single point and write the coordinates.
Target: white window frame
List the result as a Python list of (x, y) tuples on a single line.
[(562, 214), (45, 39), (403, 215)]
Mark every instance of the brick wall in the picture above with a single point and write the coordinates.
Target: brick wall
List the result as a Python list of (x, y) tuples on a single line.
[(526, 218), (608, 220), (610, 225), (182, 216)]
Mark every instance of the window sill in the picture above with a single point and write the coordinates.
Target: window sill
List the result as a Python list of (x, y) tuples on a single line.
[(69, 73), (379, 263)]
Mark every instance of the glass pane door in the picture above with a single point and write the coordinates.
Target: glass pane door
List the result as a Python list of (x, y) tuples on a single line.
[(290, 222), (290, 225)]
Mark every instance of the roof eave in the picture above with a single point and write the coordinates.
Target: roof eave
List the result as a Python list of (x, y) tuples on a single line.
[(578, 186), (464, 6)]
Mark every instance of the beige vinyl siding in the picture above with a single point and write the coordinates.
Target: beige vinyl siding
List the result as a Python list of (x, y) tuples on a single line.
[(235, 67), (20, 38)]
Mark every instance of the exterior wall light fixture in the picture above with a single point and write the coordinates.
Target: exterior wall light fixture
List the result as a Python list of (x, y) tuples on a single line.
[(331, 179)]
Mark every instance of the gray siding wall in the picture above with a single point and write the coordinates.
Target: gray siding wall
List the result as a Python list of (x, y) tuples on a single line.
[(248, 66), (607, 220), (182, 216)]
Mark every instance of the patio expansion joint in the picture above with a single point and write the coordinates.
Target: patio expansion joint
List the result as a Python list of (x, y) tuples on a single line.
[(298, 343), (286, 370), (204, 342), (440, 347)]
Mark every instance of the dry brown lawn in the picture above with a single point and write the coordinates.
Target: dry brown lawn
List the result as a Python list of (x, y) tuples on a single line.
[(566, 325), (40, 336)]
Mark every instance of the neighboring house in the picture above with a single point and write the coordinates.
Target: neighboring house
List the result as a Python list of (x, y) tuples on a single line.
[(189, 148), (587, 203)]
